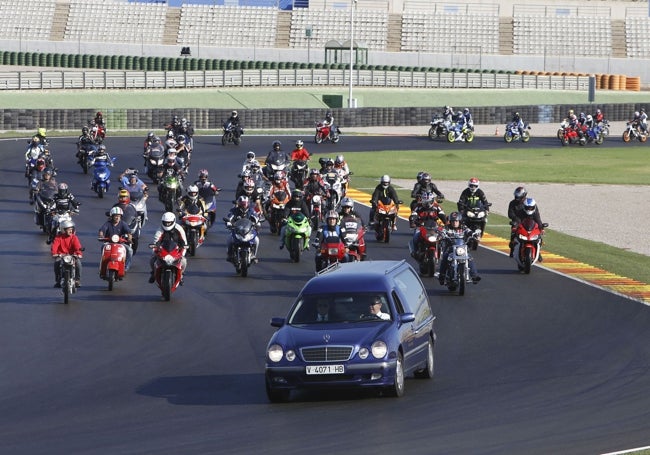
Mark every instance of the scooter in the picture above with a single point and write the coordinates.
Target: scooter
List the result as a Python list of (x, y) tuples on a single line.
[(101, 182), (112, 266), (527, 244)]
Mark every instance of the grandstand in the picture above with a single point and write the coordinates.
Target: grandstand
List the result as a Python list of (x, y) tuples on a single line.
[(397, 29)]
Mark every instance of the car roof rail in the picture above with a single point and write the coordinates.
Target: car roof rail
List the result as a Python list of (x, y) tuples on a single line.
[(329, 268), (390, 269)]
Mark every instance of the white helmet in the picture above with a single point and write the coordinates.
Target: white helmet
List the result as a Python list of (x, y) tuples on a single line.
[(385, 180), (116, 211), (168, 221), (193, 192)]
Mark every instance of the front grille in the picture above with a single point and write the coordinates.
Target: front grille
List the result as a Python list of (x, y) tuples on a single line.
[(326, 353)]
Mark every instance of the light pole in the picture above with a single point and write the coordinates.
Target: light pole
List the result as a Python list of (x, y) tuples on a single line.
[(353, 4)]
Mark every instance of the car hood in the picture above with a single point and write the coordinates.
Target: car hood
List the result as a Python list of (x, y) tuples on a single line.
[(361, 333)]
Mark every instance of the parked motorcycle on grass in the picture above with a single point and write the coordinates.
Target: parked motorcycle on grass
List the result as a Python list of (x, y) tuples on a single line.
[(112, 266), (324, 133), (527, 244), (244, 233), (168, 270)]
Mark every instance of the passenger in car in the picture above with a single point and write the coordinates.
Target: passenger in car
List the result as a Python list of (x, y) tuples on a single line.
[(322, 311)]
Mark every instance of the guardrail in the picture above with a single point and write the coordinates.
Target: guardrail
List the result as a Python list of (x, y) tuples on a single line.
[(114, 79)]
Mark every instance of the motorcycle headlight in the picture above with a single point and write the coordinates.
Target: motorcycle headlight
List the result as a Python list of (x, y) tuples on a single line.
[(432, 238), (534, 237), (68, 259), (522, 237), (461, 251), (169, 259), (379, 349), (275, 353), (102, 175), (471, 214), (333, 251)]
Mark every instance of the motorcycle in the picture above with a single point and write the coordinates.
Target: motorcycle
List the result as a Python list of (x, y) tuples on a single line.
[(44, 206), (34, 169), (334, 185), (428, 253), (275, 165), (439, 127), (594, 135), (97, 132), (54, 220), (85, 153), (101, 182), (316, 211), (193, 224), (168, 270), (512, 133), (332, 250), (155, 158), (275, 214), (632, 131), (354, 237), (231, 134), (112, 266), (139, 201), (457, 274), (385, 219), (571, 136), (298, 173), (244, 233), (460, 133), (325, 133), (527, 244), (604, 127), (68, 275), (296, 235), (476, 219), (171, 188), (210, 198)]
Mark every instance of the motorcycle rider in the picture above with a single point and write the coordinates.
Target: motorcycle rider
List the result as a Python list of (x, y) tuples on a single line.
[(329, 121), (169, 230), (99, 121), (242, 209), (519, 208), (102, 155), (469, 120), (347, 210), (64, 200), (129, 211), (331, 228), (643, 120), (234, 121), (448, 114), (248, 162), (471, 196), (275, 155), (300, 153), (599, 116), (456, 228), (191, 201), (384, 191), (517, 122), (422, 186), (428, 210), (66, 242), (47, 181), (116, 226), (85, 144), (183, 150), (207, 189), (296, 204)]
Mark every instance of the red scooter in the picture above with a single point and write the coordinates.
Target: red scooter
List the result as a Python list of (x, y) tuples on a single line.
[(112, 266), (527, 243), (325, 133), (168, 269)]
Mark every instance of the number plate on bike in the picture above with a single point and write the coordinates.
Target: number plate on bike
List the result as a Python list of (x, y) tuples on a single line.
[(324, 369)]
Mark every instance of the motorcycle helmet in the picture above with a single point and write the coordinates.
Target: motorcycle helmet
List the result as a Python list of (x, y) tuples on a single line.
[(299, 144), (150, 135), (570, 113), (234, 114), (426, 178), (573, 117), (193, 192), (249, 186), (296, 195), (101, 149), (642, 110), (328, 115), (171, 160), (520, 193), (277, 177), (250, 155), (455, 217), (636, 114), (277, 145), (339, 160), (589, 118), (63, 190), (85, 130), (168, 221), (529, 206), (123, 196), (203, 174), (98, 114), (473, 184), (314, 173), (65, 224), (255, 166), (246, 173), (582, 116), (181, 139), (598, 111), (332, 218), (184, 121), (385, 180), (427, 200), (466, 111), (419, 176), (171, 143), (242, 202), (116, 211), (516, 116), (329, 163), (346, 202), (170, 134), (36, 140), (47, 172)]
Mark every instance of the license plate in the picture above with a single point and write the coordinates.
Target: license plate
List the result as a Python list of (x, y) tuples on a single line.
[(325, 369)]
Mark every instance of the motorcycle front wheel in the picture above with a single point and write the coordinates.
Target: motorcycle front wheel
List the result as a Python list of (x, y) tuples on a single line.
[(525, 136), (192, 241), (528, 260), (295, 248), (451, 136), (469, 136), (166, 285), (335, 138), (67, 283), (643, 137), (111, 279), (318, 139), (461, 279), (507, 137), (432, 133), (243, 260), (224, 139), (626, 136)]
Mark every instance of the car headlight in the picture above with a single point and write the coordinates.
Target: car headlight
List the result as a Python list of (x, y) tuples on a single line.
[(379, 349), (363, 353), (275, 353)]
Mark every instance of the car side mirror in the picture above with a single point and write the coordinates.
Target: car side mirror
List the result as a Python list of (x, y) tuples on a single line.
[(277, 322)]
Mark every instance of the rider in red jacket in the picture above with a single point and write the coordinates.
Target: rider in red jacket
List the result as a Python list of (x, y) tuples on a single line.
[(65, 243)]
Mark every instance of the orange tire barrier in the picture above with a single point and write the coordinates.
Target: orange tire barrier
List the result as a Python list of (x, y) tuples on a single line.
[(633, 84)]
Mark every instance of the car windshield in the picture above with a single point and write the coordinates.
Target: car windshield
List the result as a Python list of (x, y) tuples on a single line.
[(340, 308)]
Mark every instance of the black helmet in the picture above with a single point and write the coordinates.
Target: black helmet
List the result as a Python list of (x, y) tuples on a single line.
[(520, 193), (276, 145), (84, 130), (63, 189), (296, 194), (455, 216)]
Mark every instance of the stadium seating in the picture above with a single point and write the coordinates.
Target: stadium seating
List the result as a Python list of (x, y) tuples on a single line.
[(27, 19)]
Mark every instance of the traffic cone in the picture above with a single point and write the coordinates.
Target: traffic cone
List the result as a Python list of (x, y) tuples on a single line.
[(496, 132)]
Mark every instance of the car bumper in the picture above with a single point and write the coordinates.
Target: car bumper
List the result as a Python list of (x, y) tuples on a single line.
[(376, 374)]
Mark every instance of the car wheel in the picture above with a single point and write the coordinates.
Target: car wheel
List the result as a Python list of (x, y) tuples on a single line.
[(428, 370), (397, 389)]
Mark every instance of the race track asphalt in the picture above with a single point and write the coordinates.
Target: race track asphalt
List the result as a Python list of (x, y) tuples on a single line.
[(532, 364)]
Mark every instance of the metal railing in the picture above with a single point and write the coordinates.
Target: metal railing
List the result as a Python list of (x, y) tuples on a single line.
[(113, 79)]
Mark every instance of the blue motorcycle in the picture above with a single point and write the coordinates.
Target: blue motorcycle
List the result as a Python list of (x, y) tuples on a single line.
[(101, 175), (595, 134)]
